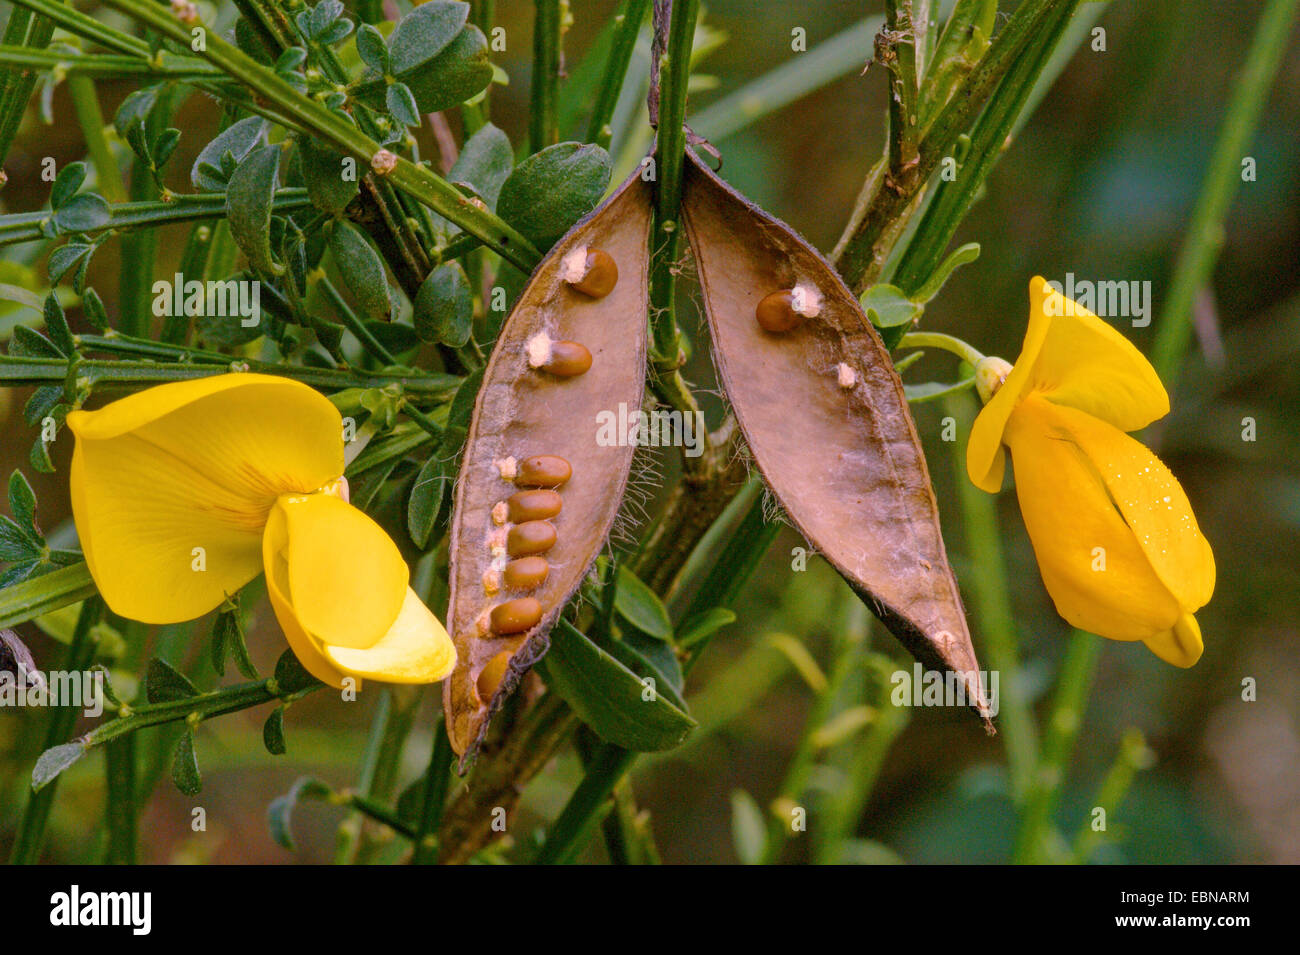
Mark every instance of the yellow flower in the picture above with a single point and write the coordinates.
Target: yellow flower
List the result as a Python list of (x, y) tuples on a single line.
[(1116, 541), (183, 493)]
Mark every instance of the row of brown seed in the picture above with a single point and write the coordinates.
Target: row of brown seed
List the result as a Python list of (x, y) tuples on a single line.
[(524, 519)]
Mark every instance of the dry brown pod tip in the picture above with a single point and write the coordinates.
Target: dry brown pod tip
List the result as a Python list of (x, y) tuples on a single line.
[(537, 495), (823, 411)]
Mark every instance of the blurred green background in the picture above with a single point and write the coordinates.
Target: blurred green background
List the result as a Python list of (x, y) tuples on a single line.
[(1101, 183)]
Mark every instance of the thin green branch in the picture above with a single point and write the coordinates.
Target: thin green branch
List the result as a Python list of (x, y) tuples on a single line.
[(1204, 239), (627, 26), (165, 65), (30, 837), (543, 115)]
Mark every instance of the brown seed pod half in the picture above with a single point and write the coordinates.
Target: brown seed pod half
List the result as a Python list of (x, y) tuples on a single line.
[(531, 456), (825, 417)]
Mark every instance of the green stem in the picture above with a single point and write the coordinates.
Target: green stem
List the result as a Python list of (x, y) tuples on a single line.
[(1072, 688), (670, 158), (120, 800), (352, 323), (963, 350), (1204, 238), (349, 833), (627, 26), (30, 837), (17, 372), (26, 226), (436, 778), (83, 65), (581, 814), (863, 256), (543, 115), (1133, 756), (41, 595), (991, 592), (85, 102), (16, 91)]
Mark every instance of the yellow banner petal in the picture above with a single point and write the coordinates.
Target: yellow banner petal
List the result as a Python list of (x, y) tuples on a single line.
[(1077, 360), (416, 649), (1092, 565), (171, 486), (347, 577)]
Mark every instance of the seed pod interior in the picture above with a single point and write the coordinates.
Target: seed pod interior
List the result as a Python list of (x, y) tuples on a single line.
[(825, 417), (532, 448)]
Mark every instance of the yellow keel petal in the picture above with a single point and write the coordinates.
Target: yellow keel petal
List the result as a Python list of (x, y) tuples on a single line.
[(347, 577), (416, 649), (1181, 645)]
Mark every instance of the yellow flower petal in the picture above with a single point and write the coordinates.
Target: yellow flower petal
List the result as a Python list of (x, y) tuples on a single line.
[(1072, 358), (346, 576), (1082, 362), (1153, 504), (275, 548), (1098, 575), (171, 486), (416, 649), (1180, 645)]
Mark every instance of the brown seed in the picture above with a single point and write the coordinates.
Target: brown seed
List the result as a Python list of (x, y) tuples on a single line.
[(530, 537), (568, 359), (490, 677), (538, 505), (599, 276), (516, 616), (776, 312), (526, 573), (543, 470)]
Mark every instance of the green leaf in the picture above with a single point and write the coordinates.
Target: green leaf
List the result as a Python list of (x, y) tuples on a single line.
[(228, 642), (67, 183), (424, 33), (22, 502), (400, 103), (428, 495), (248, 206), (960, 256), (371, 48), (609, 697), (28, 343), (647, 656), (280, 812), (164, 146), (337, 32), (444, 306), (165, 684), (640, 606), (238, 139), (362, 269), (458, 73), (54, 761), (484, 163), (92, 308), (83, 213), (185, 766), (322, 174), (43, 401), (887, 306), (290, 675), (273, 732), (17, 544), (56, 325), (66, 258), (748, 830), (551, 190), (701, 626)]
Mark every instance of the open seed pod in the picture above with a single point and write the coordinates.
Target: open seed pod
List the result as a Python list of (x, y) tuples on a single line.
[(824, 414), (537, 495)]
